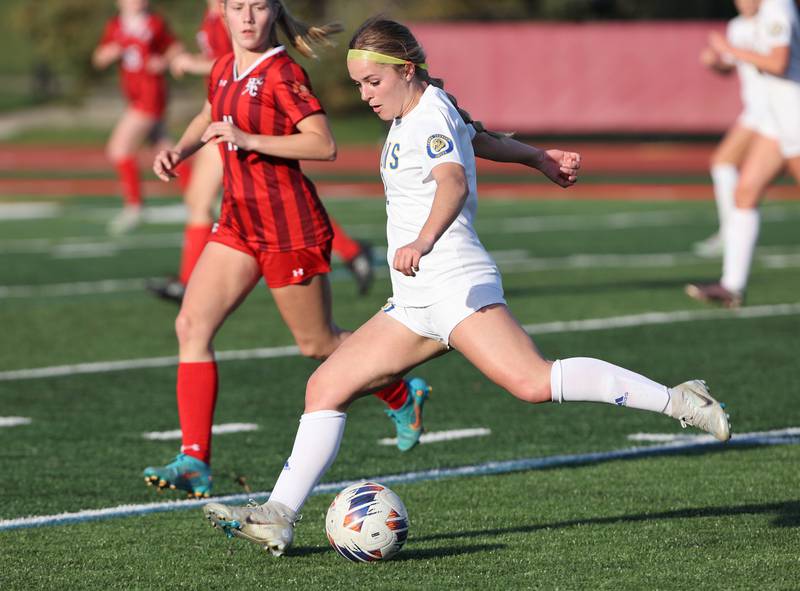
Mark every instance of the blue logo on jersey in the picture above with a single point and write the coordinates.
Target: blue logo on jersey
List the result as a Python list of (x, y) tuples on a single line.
[(439, 145)]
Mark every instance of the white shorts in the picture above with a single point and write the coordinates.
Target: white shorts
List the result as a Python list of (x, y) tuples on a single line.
[(784, 108), (438, 320), (758, 120)]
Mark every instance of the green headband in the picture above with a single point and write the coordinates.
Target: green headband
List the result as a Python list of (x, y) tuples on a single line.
[(374, 56)]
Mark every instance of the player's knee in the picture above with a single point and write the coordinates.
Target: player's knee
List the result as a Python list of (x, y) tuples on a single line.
[(747, 194), (189, 329), (321, 392), (531, 389)]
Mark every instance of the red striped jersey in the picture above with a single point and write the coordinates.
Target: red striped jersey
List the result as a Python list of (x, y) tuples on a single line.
[(148, 37), (213, 38), (267, 200)]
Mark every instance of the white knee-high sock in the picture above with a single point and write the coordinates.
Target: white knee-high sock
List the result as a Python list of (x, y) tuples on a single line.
[(592, 380), (315, 447), (724, 178), (741, 235)]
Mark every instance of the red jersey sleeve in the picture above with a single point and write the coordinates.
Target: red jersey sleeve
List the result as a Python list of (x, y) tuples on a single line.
[(214, 78), (163, 37), (292, 93), (109, 32)]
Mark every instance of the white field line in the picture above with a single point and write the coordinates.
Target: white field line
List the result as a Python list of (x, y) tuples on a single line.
[(28, 211), (683, 438), (14, 421), (223, 429), (509, 261), (439, 436), (651, 318), (150, 362), (531, 224), (77, 243), (628, 321), (71, 289), (505, 467)]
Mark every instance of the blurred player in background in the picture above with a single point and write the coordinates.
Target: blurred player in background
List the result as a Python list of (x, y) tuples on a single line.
[(777, 56), (447, 290), (214, 42), (143, 44), (263, 116), (730, 153)]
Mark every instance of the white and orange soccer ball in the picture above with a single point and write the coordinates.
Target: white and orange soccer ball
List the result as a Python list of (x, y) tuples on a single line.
[(367, 522)]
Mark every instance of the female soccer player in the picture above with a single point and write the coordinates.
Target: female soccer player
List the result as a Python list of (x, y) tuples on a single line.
[(447, 289), (777, 56), (264, 118), (730, 153), (143, 44), (206, 182)]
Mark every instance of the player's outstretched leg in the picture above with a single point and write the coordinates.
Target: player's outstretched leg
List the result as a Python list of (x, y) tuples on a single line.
[(693, 405), (270, 525), (183, 473), (408, 418)]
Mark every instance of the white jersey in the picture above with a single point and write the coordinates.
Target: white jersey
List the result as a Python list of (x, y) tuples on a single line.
[(432, 133), (741, 34), (777, 26)]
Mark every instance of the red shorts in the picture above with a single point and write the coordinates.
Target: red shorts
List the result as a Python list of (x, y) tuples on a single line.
[(147, 96), (279, 269)]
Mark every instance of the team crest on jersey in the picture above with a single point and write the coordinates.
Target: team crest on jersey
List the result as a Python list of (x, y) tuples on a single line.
[(776, 29), (301, 90), (439, 145), (253, 85)]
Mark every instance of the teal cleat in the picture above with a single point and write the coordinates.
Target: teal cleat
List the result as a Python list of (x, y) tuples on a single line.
[(183, 473), (408, 418)]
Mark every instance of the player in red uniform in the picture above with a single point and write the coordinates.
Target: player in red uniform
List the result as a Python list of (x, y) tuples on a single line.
[(264, 117), (143, 44), (214, 42)]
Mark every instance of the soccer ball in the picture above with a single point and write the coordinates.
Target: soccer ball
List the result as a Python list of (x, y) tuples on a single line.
[(367, 522)]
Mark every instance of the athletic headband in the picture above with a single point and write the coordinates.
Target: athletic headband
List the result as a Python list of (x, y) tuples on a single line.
[(381, 58)]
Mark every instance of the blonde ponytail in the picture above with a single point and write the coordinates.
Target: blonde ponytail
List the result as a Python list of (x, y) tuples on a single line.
[(301, 35)]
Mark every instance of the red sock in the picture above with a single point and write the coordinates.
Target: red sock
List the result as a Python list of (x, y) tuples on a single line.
[(128, 171), (394, 395), (197, 397), (184, 171), (194, 241), (345, 247)]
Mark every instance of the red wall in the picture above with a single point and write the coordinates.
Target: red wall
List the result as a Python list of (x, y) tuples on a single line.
[(579, 78)]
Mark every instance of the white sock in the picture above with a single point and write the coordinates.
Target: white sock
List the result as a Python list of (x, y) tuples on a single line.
[(315, 447), (741, 235), (724, 178), (592, 380)]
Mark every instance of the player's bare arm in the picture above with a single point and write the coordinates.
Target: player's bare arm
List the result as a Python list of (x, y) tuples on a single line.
[(190, 63), (452, 190), (167, 160), (559, 166), (105, 55), (158, 64), (313, 140), (775, 62)]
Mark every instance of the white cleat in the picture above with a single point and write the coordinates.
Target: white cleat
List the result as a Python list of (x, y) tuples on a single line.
[(270, 525), (692, 405), (710, 248), (125, 221)]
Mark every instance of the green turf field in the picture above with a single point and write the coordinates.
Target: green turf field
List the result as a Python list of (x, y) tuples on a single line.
[(718, 517)]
